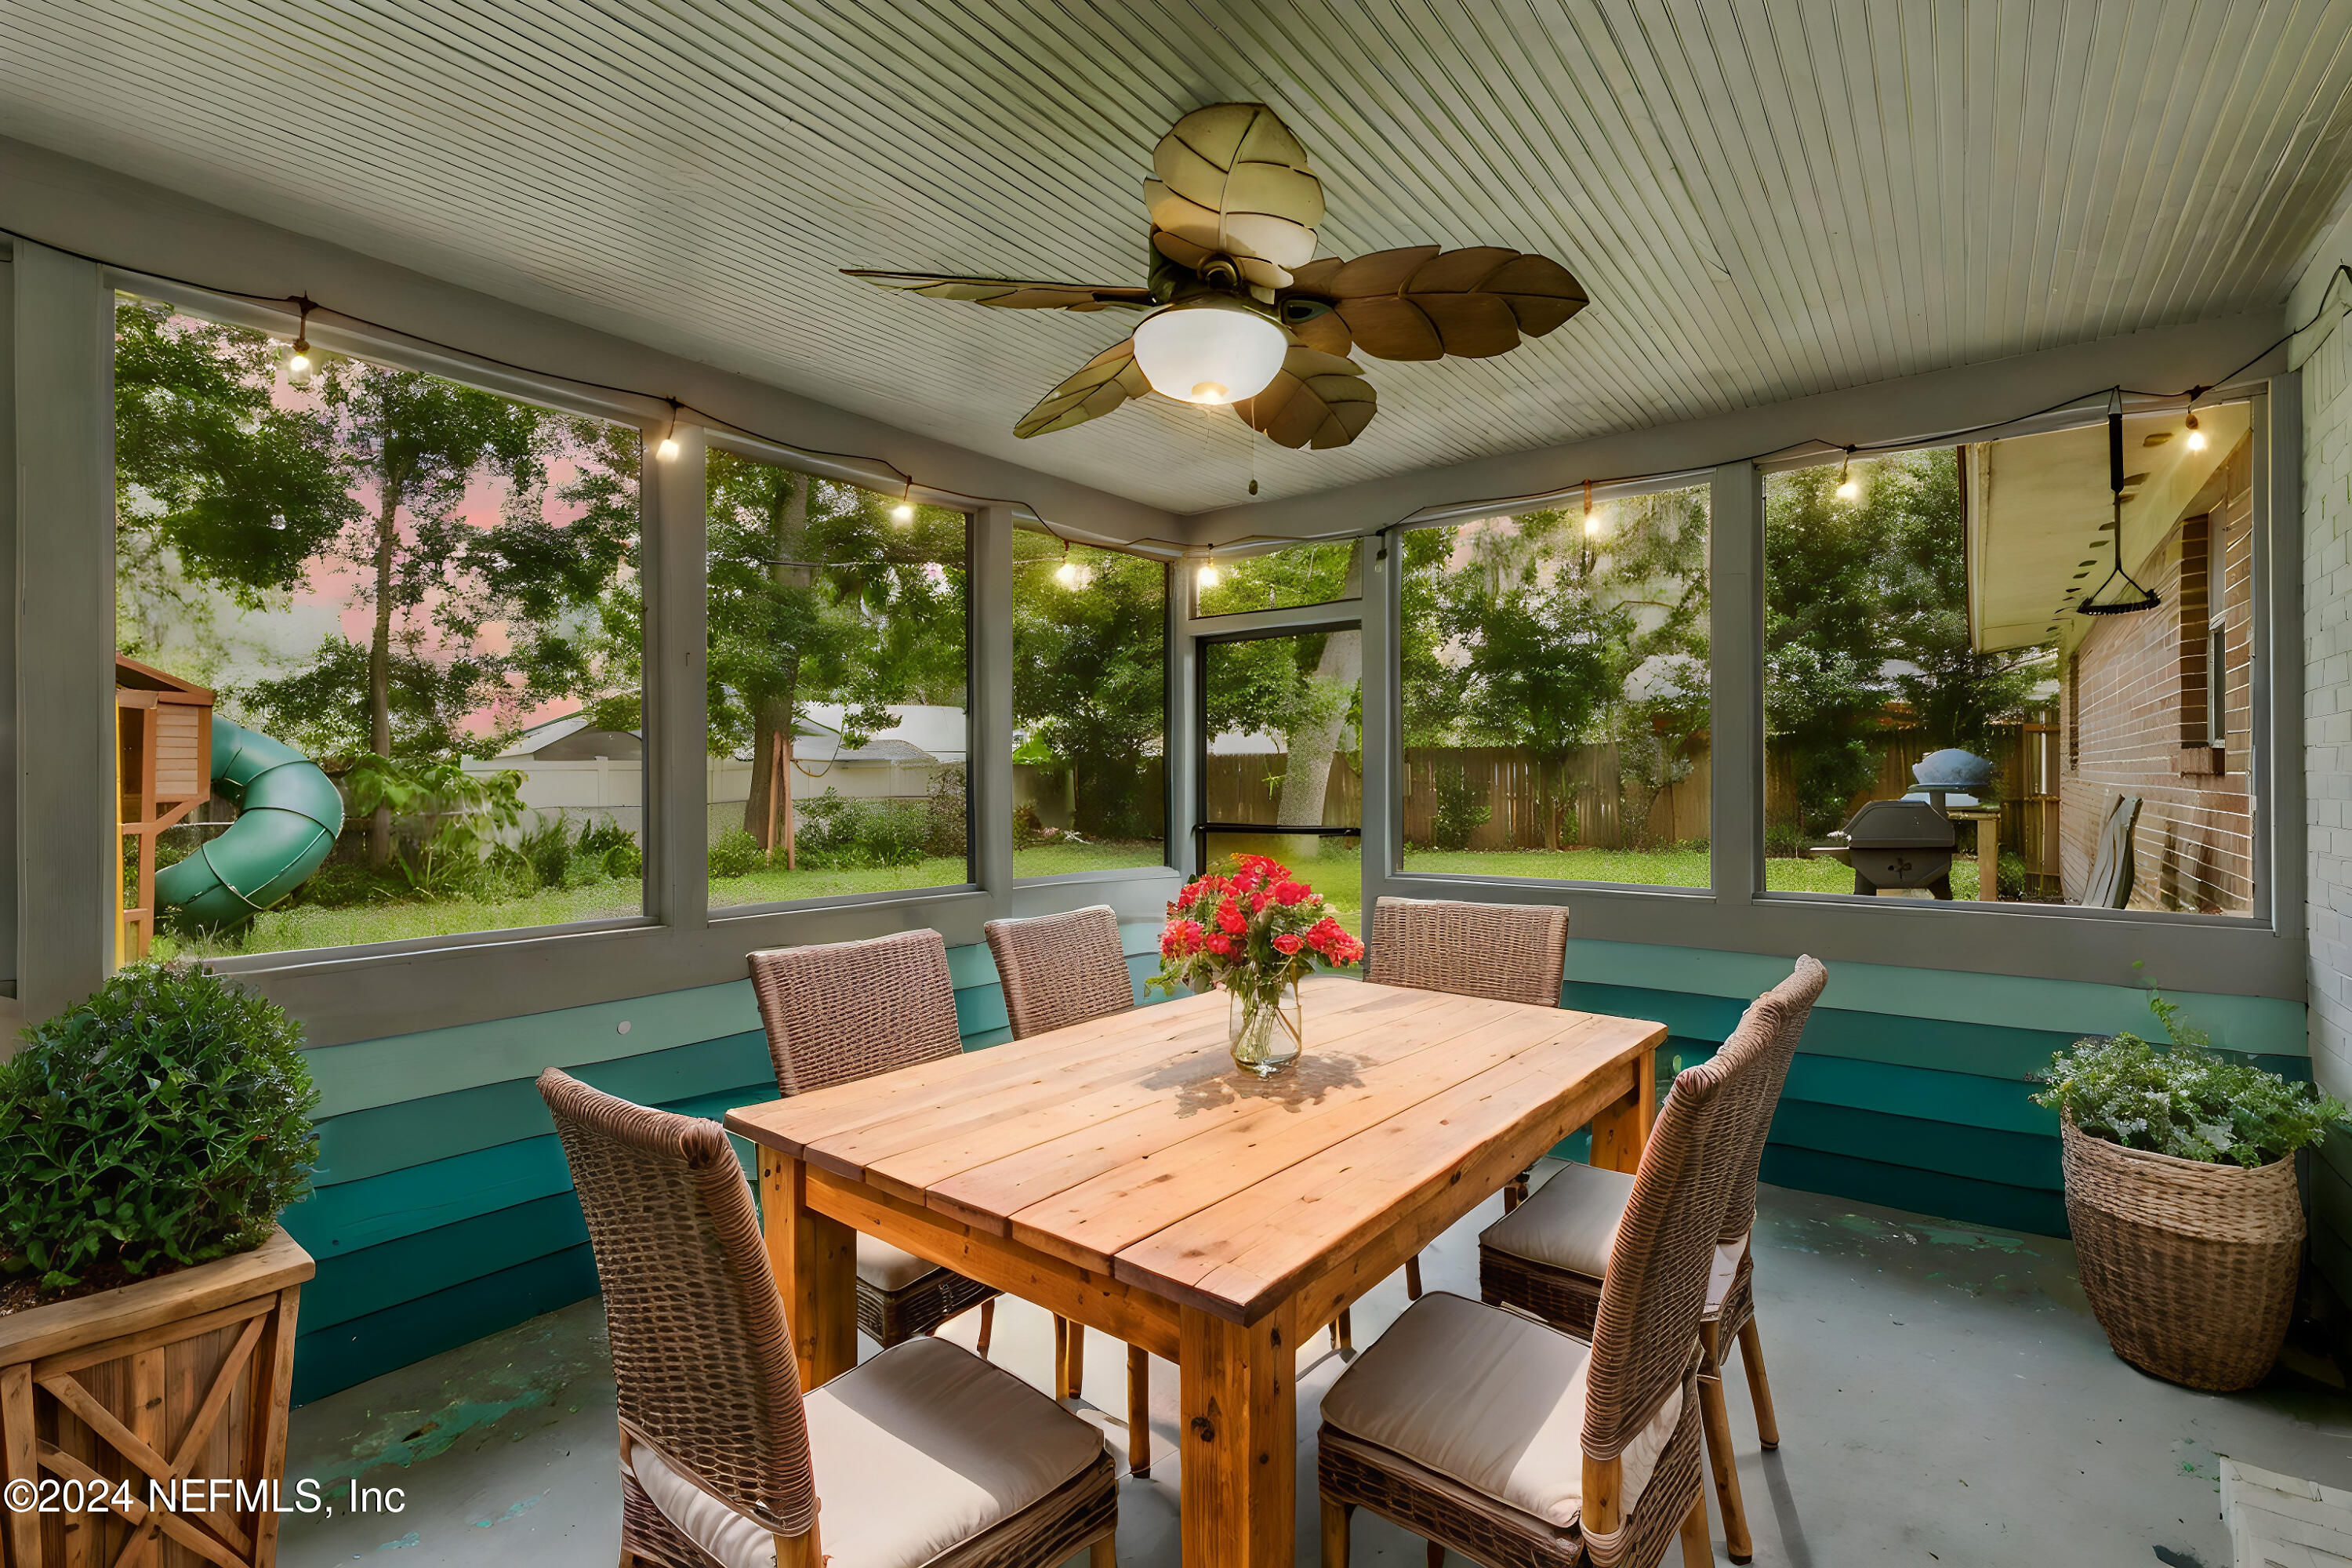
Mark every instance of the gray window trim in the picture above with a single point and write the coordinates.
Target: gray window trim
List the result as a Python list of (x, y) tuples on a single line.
[(2256, 956)]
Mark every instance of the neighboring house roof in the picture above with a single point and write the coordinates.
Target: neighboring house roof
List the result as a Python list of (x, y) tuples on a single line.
[(571, 739)]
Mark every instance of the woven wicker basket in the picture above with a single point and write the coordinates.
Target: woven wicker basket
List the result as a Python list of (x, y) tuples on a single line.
[(2189, 1267)]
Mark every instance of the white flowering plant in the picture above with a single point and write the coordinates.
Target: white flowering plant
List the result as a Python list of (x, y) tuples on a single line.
[(2182, 1097)]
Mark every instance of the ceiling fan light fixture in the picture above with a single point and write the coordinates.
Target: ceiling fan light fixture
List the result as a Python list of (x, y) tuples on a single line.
[(1212, 351)]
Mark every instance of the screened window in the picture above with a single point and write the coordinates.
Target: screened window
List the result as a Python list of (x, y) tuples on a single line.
[(1925, 641), (1089, 709), (1555, 690), (379, 668), (839, 730), (1284, 579), (1282, 767)]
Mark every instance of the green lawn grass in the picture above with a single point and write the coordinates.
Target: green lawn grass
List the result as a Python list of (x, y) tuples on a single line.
[(1333, 866)]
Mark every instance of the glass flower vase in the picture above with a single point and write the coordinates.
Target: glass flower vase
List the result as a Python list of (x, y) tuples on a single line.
[(1265, 1030)]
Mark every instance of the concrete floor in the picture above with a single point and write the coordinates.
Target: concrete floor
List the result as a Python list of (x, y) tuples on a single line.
[(1944, 1398)]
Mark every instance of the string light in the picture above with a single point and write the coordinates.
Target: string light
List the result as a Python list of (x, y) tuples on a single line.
[(299, 364), (666, 448), (2196, 437), (1067, 573), (903, 513), (1591, 521), (1846, 489), (1209, 576)]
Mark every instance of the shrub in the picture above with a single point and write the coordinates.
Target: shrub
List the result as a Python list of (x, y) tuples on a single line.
[(164, 1121), (1028, 827), (1461, 808), (1785, 841), (947, 820), (2183, 1099), (840, 833), (601, 851), (612, 849), (737, 854)]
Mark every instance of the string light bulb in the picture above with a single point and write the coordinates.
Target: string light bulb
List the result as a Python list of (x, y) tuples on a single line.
[(2196, 437), (667, 448), (300, 366), (903, 513), (1846, 487), (1209, 576), (1592, 522), (1066, 574)]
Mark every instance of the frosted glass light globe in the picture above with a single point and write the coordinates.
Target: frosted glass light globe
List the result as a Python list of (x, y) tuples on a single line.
[(1209, 350)]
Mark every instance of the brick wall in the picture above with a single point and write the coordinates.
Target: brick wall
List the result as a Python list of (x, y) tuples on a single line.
[(2327, 754), (2136, 710)]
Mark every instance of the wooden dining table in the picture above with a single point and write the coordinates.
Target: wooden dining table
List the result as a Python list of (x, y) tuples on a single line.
[(1125, 1174)]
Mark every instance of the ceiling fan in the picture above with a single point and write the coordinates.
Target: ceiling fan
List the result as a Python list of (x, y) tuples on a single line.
[(1242, 313)]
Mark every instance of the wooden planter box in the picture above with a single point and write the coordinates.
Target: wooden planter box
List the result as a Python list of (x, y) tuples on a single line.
[(182, 1377)]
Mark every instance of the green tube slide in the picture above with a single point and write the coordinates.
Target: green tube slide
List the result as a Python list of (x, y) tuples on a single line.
[(288, 815)]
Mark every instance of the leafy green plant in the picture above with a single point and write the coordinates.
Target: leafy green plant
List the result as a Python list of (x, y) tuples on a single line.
[(464, 814), (1785, 841), (164, 1121), (1461, 808), (2182, 1097), (737, 854), (844, 833)]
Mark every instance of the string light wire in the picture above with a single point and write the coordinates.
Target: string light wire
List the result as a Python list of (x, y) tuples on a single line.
[(1208, 571)]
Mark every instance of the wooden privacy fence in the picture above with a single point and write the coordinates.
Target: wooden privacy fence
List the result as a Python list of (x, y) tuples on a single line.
[(1593, 793)]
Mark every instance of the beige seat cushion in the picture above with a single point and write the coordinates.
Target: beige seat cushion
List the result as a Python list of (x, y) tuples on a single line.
[(917, 1451), (883, 1266), (1489, 1399), (1570, 1223)]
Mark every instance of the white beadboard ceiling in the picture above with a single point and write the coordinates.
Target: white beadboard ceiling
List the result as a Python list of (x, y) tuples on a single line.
[(1763, 198)]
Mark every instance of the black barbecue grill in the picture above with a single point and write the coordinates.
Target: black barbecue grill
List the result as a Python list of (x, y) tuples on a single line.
[(1898, 844)]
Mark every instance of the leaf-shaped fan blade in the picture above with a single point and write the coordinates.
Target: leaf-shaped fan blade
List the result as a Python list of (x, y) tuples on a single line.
[(1232, 179), (1419, 302), (1101, 385), (1314, 400), (1009, 293)]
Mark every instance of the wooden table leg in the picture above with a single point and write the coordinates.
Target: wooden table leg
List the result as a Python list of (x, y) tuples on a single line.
[(1240, 1415), (1619, 1132), (815, 1262)]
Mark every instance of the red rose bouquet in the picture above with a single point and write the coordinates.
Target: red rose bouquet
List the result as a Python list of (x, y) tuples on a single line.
[(1252, 927)]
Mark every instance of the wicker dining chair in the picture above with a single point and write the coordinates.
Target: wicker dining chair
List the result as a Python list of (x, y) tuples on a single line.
[(839, 1011), (1057, 971), (1512, 952), (1550, 1255), (925, 1455), (1517, 1445)]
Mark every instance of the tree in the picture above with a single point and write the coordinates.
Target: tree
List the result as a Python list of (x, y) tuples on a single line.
[(217, 491), (1089, 675), (464, 617), (1546, 636), (815, 595), (1866, 605)]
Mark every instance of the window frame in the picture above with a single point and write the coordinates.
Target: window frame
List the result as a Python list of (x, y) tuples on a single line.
[(2185, 950), (1172, 582), (1599, 494), (752, 451), (497, 979)]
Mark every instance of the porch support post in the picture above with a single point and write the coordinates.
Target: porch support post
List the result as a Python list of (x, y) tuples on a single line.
[(988, 773), (1186, 743), (676, 694), (68, 873), (1383, 819), (1736, 670)]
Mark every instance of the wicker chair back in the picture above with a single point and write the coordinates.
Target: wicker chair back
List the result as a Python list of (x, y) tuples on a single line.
[(1059, 970), (1513, 953), (701, 1355), (844, 1010)]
